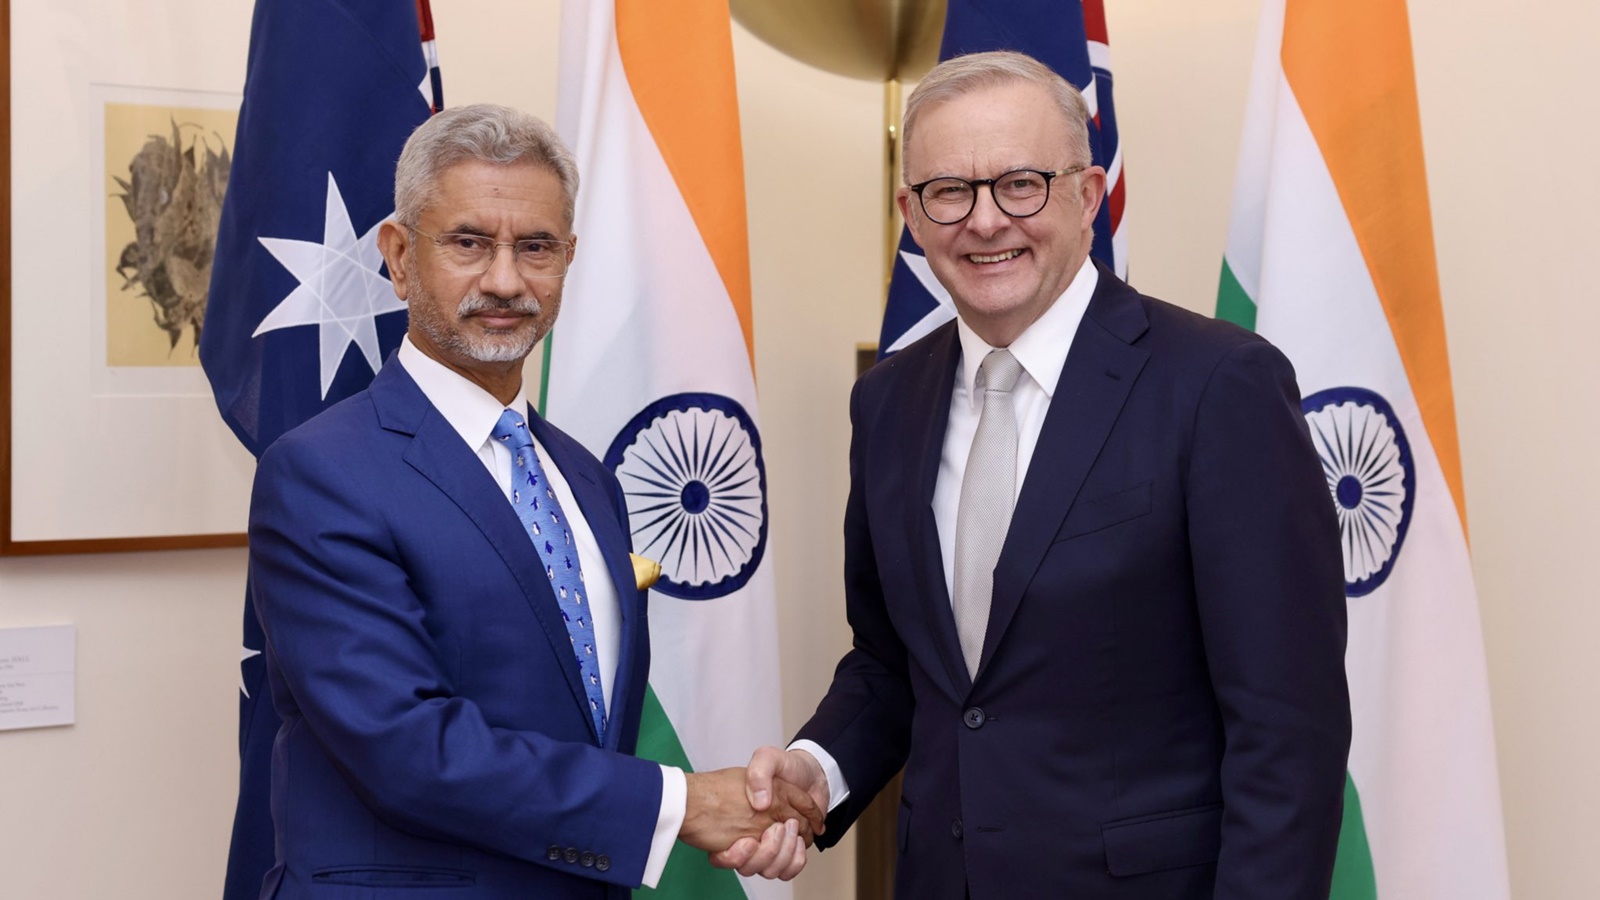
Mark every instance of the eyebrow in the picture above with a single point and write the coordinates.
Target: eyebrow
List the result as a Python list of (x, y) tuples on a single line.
[(480, 232), (1006, 171)]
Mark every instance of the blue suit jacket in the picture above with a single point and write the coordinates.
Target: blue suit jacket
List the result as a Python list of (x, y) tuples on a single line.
[(435, 733), (1160, 709)]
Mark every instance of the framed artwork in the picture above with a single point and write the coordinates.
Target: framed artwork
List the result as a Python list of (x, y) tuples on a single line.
[(119, 125)]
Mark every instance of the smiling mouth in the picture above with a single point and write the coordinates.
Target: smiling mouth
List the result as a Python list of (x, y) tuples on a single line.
[(983, 259)]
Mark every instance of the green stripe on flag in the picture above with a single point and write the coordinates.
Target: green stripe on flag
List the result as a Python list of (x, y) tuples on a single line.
[(1233, 304), (689, 875), (544, 375), (1353, 878)]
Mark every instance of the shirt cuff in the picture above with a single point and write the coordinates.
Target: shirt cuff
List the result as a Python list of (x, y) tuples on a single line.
[(838, 791), (674, 803)]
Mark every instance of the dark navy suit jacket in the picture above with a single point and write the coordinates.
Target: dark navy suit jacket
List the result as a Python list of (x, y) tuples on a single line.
[(1160, 709), (435, 733)]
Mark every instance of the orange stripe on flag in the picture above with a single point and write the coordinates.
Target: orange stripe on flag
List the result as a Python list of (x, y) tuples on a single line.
[(679, 61), (1349, 65)]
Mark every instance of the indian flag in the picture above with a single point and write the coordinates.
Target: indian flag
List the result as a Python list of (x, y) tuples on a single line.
[(1330, 255), (652, 367)]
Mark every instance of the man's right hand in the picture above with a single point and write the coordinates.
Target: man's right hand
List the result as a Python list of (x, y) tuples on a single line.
[(718, 812), (797, 767), (773, 773)]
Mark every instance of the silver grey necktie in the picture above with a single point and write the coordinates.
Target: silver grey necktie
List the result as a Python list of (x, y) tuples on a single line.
[(988, 492)]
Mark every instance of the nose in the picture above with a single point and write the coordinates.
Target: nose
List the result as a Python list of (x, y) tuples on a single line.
[(986, 217), (502, 279)]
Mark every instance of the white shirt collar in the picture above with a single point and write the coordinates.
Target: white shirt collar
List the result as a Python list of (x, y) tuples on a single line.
[(1042, 348), (472, 411)]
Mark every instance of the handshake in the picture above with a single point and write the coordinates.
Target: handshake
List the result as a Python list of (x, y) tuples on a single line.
[(758, 820)]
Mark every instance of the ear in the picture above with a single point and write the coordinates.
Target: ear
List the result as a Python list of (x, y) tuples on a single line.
[(1091, 192), (393, 241), (910, 212)]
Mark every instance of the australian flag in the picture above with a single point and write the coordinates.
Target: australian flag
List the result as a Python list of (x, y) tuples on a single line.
[(301, 313), (1070, 37)]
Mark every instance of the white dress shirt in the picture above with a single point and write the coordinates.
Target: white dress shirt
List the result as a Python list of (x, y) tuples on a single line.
[(1042, 351), (474, 413)]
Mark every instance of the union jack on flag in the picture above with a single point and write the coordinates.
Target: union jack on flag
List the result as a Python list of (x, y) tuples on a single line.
[(1070, 37)]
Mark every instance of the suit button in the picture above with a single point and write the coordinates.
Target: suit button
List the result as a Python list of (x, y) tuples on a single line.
[(586, 860), (602, 862), (554, 853), (571, 855), (974, 718), (955, 829)]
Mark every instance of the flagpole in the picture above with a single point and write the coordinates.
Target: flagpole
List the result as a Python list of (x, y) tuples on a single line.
[(893, 108)]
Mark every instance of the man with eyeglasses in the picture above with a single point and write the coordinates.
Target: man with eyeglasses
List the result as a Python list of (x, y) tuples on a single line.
[(1091, 563), (456, 641)]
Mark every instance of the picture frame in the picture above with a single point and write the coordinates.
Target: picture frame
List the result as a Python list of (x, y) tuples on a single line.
[(99, 454)]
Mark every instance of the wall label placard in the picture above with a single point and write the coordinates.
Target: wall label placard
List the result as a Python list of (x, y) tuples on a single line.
[(36, 676)]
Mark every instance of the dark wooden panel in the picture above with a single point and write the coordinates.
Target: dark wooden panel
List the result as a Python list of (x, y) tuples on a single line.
[(875, 845)]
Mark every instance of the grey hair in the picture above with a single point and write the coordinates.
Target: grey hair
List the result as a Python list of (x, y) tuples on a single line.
[(962, 75), (484, 133)]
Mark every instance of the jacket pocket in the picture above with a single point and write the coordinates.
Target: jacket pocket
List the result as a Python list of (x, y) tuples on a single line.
[(1172, 840), (394, 877), (1104, 511)]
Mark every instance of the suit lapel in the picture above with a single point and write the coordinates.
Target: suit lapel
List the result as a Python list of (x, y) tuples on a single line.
[(437, 452), (925, 407), (615, 545), (1099, 373)]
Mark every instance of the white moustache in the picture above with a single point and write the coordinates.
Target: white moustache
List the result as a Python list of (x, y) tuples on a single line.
[(477, 303)]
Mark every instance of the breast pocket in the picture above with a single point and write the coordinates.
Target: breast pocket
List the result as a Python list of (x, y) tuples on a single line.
[(1098, 513)]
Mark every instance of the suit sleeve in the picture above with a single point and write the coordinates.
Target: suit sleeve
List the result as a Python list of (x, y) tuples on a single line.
[(356, 664), (864, 721), (1269, 582)]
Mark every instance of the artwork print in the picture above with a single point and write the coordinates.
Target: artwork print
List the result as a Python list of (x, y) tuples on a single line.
[(166, 173)]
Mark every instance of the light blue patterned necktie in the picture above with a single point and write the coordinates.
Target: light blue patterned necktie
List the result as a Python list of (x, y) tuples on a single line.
[(535, 502)]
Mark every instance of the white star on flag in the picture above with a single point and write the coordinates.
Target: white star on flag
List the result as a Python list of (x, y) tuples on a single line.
[(341, 290), (944, 312), (430, 56), (244, 654)]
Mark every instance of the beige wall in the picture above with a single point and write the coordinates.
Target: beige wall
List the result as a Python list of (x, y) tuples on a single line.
[(1513, 131), (134, 801)]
